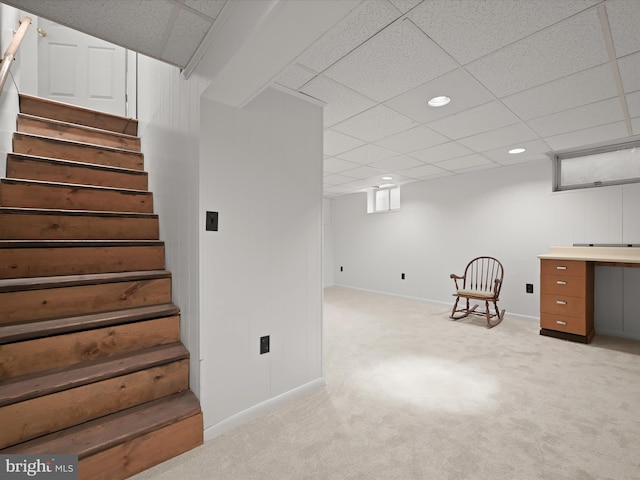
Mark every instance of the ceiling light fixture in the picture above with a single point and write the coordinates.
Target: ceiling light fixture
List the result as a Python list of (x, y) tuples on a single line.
[(513, 151), (387, 178), (440, 101)]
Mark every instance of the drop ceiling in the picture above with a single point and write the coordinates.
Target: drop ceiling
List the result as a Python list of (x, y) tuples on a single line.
[(543, 75)]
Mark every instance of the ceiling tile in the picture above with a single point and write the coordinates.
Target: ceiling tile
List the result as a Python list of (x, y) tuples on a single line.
[(464, 91), (400, 162), (630, 72), (406, 55), (633, 102), (569, 47), (337, 179), (534, 150), (476, 28), (362, 23), (295, 76), (441, 152), (459, 163), (485, 166), (411, 140), (623, 19), (186, 35), (361, 185), (422, 171), (599, 113), (475, 120), (362, 172), (342, 102), (367, 154), (578, 89), (211, 8), (635, 123), (588, 136), (405, 5), (374, 124), (336, 142), (498, 138), (337, 165)]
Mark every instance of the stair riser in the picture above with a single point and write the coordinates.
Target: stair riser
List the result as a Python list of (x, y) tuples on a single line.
[(45, 147), (73, 198), (33, 305), (143, 452), (38, 126), (43, 262), (69, 113), (42, 415), (32, 356), (17, 226), (47, 171)]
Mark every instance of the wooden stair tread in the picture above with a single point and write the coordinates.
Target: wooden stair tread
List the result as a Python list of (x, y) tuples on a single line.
[(23, 181), (75, 163), (80, 115), (97, 213), (78, 243), (46, 328), (74, 142), (47, 382), (76, 125), (37, 283), (103, 433)]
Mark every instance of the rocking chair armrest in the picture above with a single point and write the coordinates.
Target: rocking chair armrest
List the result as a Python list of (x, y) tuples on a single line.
[(456, 277)]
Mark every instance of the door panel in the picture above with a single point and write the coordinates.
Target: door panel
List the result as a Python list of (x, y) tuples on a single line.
[(80, 69)]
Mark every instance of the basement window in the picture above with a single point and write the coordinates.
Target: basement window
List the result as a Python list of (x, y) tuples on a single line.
[(612, 165), (383, 199)]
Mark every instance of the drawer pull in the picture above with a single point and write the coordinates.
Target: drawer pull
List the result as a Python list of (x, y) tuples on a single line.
[(561, 267), (561, 282), (561, 302), (560, 322)]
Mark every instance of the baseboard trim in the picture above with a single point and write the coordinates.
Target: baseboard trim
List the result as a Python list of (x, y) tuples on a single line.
[(262, 408)]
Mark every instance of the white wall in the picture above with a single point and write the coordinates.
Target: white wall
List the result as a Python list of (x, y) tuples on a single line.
[(509, 213), (169, 125), (327, 244), (260, 274), (23, 78)]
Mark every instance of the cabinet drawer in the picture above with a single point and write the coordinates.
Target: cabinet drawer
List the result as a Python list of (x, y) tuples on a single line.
[(563, 305), (560, 323), (563, 285), (574, 268)]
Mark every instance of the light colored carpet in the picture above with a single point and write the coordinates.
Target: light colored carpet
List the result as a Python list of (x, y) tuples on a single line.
[(413, 395)]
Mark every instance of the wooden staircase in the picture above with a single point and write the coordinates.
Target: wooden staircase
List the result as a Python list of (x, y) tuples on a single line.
[(91, 361)]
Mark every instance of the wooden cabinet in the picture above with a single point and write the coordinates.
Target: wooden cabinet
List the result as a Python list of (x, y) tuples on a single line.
[(566, 299)]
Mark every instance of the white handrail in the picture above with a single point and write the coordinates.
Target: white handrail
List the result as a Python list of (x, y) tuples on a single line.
[(9, 55)]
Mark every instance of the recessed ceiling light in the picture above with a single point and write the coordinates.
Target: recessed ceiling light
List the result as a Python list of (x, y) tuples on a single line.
[(387, 178), (513, 151), (439, 101)]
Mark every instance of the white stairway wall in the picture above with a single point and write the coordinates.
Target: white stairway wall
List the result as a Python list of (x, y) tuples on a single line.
[(261, 272), (169, 122), (509, 213)]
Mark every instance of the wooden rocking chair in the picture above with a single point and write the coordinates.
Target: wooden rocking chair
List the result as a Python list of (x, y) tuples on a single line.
[(481, 281)]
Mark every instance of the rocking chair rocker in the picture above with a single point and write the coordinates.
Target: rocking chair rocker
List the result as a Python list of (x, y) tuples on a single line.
[(482, 281)]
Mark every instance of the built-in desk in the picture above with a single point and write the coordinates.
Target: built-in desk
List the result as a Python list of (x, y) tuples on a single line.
[(566, 287)]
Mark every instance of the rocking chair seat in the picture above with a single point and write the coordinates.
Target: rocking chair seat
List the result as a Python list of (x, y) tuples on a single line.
[(479, 294), (482, 281)]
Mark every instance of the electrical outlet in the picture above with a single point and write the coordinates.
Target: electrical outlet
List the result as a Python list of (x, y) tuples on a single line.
[(264, 344), (403, 276), (211, 221), (529, 287)]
